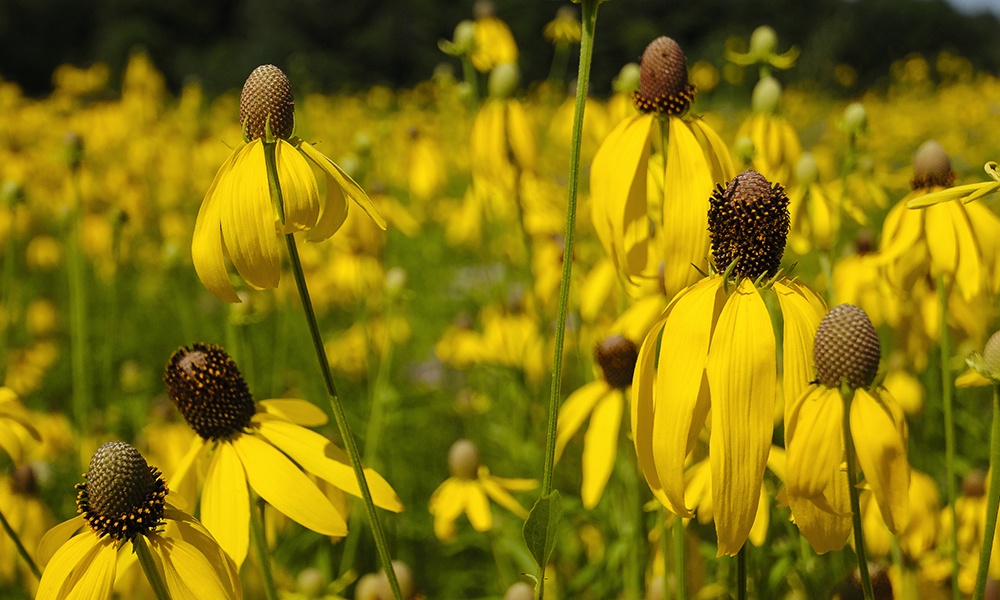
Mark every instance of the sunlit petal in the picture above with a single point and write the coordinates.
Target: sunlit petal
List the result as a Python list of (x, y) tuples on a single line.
[(299, 192), (249, 225), (575, 410), (600, 445), (57, 536), (71, 563), (225, 502), (350, 188), (206, 245), (299, 412), (477, 508), (188, 573)]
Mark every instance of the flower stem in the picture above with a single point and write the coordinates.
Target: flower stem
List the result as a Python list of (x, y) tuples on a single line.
[(339, 414), (992, 501), (741, 573), (852, 489), (260, 545), (949, 429), (680, 592), (20, 546), (148, 565)]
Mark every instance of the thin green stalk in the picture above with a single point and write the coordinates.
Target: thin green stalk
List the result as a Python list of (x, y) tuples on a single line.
[(992, 501), (852, 488), (949, 430), (560, 63), (679, 549), (339, 414), (259, 539), (148, 564), (20, 547), (79, 339), (741, 573)]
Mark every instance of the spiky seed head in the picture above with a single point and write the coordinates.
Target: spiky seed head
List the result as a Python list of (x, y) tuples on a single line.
[(663, 79), (267, 102), (931, 167), (463, 459), (846, 348), (748, 223), (207, 388), (617, 356), (122, 496)]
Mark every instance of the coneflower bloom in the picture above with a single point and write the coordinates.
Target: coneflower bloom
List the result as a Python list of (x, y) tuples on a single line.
[(847, 353), (238, 219), (714, 349), (264, 445), (124, 498), (639, 234)]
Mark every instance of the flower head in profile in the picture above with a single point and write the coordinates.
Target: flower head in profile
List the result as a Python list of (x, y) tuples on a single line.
[(264, 445), (713, 350), (603, 400), (763, 51), (470, 489), (493, 42), (846, 352), (122, 499), (239, 217), (650, 208)]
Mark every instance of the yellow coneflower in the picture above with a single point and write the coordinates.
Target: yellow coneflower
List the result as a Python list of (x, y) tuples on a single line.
[(123, 499), (469, 490), (714, 349), (238, 220), (638, 234), (776, 144), (264, 445), (604, 401), (494, 43)]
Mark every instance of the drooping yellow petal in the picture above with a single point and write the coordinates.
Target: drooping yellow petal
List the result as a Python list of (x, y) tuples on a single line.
[(575, 409), (477, 507), (643, 409), (446, 503), (681, 400), (282, 485), (940, 234), (57, 536), (249, 223), (225, 502), (350, 188), (596, 289), (206, 245), (300, 412), (492, 487), (600, 445), (716, 152), (813, 439), (188, 573), (299, 192), (686, 190), (823, 530), (69, 572), (333, 215), (742, 377), (183, 526), (800, 321), (520, 135), (881, 452), (698, 492), (637, 319), (968, 273), (758, 533), (321, 457), (180, 473)]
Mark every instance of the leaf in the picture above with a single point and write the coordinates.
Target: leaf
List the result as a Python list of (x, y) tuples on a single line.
[(541, 526)]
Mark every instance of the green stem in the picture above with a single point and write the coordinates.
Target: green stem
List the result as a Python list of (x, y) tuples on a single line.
[(472, 79), (679, 549), (741, 573), (852, 488), (949, 429), (589, 20), (79, 344), (339, 414), (148, 564), (20, 546), (260, 545), (992, 500)]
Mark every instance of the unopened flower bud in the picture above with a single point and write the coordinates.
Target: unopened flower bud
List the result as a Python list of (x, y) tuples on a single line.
[(931, 167), (855, 119), (763, 41), (765, 95), (503, 80), (463, 459)]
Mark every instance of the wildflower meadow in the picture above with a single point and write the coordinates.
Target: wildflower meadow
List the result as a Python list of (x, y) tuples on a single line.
[(712, 332)]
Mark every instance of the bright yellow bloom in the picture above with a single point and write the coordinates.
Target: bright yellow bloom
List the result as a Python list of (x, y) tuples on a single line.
[(264, 445), (15, 422), (238, 219), (714, 350), (921, 531), (494, 43), (469, 490), (123, 499), (28, 516)]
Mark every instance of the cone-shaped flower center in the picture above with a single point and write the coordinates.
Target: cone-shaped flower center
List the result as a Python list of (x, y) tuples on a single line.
[(25, 482), (267, 102), (663, 79), (846, 348), (748, 223), (931, 167), (209, 391), (974, 484), (617, 356), (463, 459), (123, 496)]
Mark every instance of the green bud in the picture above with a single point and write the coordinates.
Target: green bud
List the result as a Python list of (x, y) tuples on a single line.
[(806, 170), (503, 80), (763, 41), (987, 364), (855, 118), (765, 95), (464, 39)]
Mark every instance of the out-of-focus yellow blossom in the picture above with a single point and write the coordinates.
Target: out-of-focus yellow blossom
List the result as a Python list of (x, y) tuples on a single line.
[(638, 235), (903, 386), (776, 144), (714, 350), (44, 252), (494, 43), (920, 533), (604, 401), (814, 208), (351, 350), (469, 490), (28, 516), (27, 367), (15, 421), (970, 510), (565, 28), (237, 218), (426, 174)]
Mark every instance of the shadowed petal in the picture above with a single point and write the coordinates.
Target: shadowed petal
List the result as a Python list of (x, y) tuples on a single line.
[(800, 321), (477, 508), (742, 375), (191, 574), (813, 438), (84, 567), (882, 456), (575, 410), (600, 447), (206, 245), (57, 536), (350, 188)]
